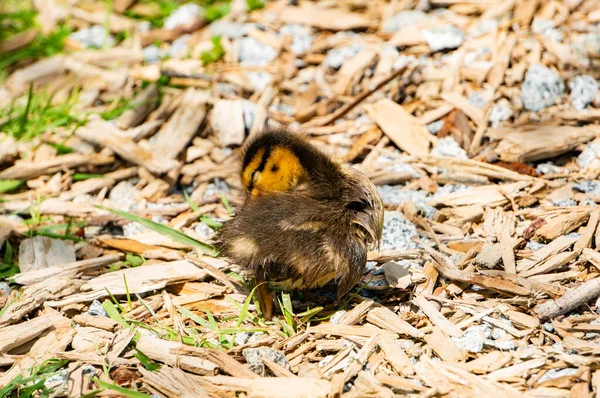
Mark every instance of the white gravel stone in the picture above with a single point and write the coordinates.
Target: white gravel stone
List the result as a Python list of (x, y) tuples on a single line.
[(448, 147), (447, 37), (500, 112), (398, 232), (402, 19), (583, 90), (93, 37), (183, 15), (540, 88)]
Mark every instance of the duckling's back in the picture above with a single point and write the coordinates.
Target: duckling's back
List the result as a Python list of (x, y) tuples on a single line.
[(297, 240)]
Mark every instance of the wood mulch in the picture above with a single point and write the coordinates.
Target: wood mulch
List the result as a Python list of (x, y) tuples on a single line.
[(471, 117)]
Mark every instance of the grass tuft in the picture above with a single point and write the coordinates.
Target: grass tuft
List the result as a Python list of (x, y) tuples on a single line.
[(214, 54), (37, 116), (41, 47)]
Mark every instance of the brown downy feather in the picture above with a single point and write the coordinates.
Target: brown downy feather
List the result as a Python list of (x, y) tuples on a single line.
[(302, 237)]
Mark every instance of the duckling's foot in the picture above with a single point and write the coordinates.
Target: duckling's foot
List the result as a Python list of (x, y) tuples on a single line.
[(266, 300)]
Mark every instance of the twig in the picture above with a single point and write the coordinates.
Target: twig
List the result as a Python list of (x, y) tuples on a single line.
[(357, 100), (572, 299)]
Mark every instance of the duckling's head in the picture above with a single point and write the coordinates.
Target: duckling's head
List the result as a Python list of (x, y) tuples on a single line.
[(361, 199), (280, 160)]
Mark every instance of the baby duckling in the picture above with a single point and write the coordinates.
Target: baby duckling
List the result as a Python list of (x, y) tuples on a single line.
[(306, 220)]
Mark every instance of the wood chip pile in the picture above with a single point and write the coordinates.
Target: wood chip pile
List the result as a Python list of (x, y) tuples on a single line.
[(477, 120)]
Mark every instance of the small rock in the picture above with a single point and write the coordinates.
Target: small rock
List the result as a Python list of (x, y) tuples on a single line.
[(184, 15), (473, 338), (548, 327), (203, 230), (231, 30), (179, 47), (394, 195), (89, 370), (133, 228), (534, 245), (337, 317), (152, 54), (57, 380), (592, 187), (144, 26), (123, 195), (446, 37), (490, 255), (545, 27), (336, 57), (250, 110), (402, 61), (591, 43), (395, 166), (549, 168), (96, 309), (247, 337), (589, 154), (218, 186), (402, 19), (255, 53), (556, 373), (588, 202), (435, 127), (483, 27), (477, 99), (498, 333), (448, 147), (254, 357), (501, 111), (564, 202), (583, 90), (259, 80), (302, 37), (397, 232), (540, 88), (93, 37), (5, 288)]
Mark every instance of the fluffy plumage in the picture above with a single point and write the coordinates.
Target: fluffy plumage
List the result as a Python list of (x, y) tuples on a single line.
[(306, 219)]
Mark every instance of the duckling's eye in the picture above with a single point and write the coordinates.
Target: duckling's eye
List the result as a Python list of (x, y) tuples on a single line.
[(274, 168), (356, 206)]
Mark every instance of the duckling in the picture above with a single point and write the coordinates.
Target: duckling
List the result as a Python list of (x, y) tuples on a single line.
[(306, 219)]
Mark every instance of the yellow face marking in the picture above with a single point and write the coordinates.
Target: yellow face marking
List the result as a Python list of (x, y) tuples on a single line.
[(282, 171), (251, 167)]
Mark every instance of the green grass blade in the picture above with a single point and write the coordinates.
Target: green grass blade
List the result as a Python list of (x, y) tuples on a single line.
[(244, 311), (190, 202), (194, 317), (226, 204), (112, 312), (165, 230), (25, 116), (146, 362), (10, 185), (127, 293), (121, 390)]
